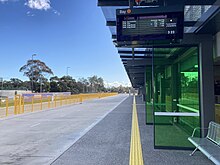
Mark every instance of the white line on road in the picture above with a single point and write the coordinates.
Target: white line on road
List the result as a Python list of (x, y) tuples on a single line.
[(35, 125)]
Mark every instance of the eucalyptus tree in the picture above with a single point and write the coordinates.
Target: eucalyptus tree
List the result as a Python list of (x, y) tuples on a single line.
[(35, 70), (96, 83)]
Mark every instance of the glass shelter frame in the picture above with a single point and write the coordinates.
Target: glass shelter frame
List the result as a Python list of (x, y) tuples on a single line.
[(173, 119)]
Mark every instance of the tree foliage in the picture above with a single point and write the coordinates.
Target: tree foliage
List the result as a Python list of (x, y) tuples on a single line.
[(96, 83), (63, 84), (57, 84), (35, 70)]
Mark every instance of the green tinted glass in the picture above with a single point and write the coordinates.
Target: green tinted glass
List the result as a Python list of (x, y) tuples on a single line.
[(175, 91), (149, 96)]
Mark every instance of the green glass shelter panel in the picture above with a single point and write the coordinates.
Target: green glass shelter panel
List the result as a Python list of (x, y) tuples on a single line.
[(175, 96), (149, 96)]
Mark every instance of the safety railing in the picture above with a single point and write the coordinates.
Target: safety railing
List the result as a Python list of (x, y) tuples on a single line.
[(37, 102)]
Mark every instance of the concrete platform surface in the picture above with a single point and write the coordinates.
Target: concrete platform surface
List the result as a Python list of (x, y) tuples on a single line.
[(162, 156)]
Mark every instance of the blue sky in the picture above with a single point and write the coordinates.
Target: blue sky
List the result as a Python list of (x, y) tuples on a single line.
[(63, 33)]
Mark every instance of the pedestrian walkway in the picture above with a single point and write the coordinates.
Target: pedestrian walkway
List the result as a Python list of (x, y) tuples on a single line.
[(161, 156), (108, 143)]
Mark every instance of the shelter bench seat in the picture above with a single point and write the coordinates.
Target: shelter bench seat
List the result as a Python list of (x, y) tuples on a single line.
[(210, 145)]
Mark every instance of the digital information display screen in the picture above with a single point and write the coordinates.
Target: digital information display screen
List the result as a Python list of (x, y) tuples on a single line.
[(149, 26)]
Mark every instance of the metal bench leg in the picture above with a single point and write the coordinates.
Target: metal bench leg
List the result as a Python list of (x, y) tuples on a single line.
[(193, 151)]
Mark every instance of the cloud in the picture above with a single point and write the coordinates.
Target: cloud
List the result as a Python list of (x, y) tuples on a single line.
[(30, 14), (36, 4), (56, 12), (39, 4), (116, 84)]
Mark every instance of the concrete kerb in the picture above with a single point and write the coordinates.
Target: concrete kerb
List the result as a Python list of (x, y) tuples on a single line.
[(82, 133)]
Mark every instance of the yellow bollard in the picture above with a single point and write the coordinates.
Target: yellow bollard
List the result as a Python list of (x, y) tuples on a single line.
[(15, 105), (55, 98), (74, 99), (69, 100), (6, 105), (32, 104), (61, 100), (19, 106), (80, 98), (22, 104), (49, 101)]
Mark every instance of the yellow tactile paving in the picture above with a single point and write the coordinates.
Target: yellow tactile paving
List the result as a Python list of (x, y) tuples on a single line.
[(136, 157)]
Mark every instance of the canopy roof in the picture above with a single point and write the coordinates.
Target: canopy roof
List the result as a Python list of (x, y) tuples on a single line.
[(200, 16)]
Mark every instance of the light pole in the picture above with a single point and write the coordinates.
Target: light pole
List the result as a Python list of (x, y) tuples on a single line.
[(67, 69), (1, 80), (40, 83), (32, 75)]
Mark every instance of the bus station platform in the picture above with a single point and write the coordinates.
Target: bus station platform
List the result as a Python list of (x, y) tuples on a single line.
[(108, 142)]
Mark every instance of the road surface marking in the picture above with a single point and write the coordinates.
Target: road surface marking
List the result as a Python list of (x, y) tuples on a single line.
[(35, 125), (136, 157)]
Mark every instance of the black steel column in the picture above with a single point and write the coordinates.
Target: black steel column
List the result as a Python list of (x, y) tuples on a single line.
[(206, 81)]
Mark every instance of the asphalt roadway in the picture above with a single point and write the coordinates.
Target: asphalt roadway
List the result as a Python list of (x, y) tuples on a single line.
[(41, 137), (108, 143)]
